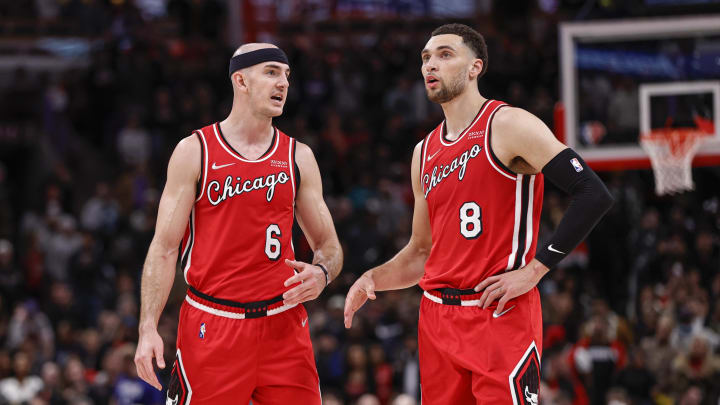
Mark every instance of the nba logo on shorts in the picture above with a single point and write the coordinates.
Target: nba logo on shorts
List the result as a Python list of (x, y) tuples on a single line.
[(576, 164), (202, 331)]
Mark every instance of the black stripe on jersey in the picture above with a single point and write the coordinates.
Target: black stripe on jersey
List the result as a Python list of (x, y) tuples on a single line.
[(443, 129), (180, 254), (489, 142), (297, 169), (272, 143), (235, 304), (177, 391), (202, 166), (186, 254), (522, 231)]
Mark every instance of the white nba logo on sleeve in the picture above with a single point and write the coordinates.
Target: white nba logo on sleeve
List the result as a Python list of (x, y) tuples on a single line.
[(576, 164)]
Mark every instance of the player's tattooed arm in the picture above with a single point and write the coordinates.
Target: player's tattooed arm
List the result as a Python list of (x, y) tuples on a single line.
[(316, 223), (159, 269), (408, 266)]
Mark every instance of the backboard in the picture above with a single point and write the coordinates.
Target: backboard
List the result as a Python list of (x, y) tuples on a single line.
[(624, 78)]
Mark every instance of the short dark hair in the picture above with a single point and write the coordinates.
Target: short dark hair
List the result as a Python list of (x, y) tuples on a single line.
[(471, 38)]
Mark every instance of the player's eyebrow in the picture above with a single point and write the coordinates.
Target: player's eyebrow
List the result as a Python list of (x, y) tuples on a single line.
[(278, 67), (441, 47)]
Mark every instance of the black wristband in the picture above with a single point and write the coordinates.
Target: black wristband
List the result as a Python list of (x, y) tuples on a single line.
[(590, 201), (327, 275)]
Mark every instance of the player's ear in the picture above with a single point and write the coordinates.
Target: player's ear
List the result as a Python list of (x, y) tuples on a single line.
[(476, 68), (239, 80)]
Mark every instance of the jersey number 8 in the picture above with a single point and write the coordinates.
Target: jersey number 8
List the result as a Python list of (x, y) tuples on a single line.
[(470, 220)]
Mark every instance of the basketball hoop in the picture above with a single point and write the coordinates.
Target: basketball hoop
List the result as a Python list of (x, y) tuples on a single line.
[(671, 152)]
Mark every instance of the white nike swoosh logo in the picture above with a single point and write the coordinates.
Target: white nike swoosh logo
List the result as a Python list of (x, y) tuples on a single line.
[(503, 312), (550, 248), (215, 166), (304, 321), (432, 156)]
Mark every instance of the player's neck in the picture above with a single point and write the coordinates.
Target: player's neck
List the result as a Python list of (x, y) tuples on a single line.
[(245, 126), (460, 112)]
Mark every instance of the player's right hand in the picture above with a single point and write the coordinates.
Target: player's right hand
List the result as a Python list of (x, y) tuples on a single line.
[(150, 345), (361, 290)]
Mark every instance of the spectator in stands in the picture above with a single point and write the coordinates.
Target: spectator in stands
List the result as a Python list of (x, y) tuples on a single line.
[(696, 366), (52, 384), (636, 379), (100, 213), (134, 144), (659, 353), (10, 275), (28, 322), (22, 386), (597, 357)]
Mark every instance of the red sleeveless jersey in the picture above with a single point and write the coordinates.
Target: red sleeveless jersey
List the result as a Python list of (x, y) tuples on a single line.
[(484, 218), (240, 228)]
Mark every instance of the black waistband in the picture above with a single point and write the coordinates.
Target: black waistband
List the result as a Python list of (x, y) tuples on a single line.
[(455, 291), (235, 304)]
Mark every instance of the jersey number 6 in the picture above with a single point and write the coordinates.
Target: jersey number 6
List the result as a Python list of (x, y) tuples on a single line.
[(272, 244), (470, 220)]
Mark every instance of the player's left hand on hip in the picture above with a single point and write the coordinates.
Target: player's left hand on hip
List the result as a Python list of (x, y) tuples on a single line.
[(311, 279), (507, 286)]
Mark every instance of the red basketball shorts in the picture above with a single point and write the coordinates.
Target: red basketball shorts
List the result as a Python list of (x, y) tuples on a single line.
[(228, 355), (470, 356)]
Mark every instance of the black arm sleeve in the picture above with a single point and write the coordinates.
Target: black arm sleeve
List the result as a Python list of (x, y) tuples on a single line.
[(590, 201)]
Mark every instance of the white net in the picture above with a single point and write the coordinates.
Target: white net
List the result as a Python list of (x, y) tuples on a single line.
[(671, 153)]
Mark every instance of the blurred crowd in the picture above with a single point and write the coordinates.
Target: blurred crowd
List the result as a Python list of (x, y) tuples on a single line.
[(631, 317)]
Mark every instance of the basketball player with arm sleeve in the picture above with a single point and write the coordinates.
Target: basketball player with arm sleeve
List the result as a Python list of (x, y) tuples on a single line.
[(233, 189), (478, 185)]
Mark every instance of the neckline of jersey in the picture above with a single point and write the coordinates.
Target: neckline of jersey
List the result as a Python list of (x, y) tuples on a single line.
[(443, 132), (225, 144)]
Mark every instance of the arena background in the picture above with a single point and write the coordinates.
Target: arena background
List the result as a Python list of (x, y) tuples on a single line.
[(94, 94)]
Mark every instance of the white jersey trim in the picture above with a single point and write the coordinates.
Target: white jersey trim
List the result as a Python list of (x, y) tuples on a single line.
[(487, 145), (517, 368), (184, 375), (190, 245), (423, 153), (232, 315), (465, 131), (238, 157), (529, 223), (291, 165), (204, 165), (516, 227)]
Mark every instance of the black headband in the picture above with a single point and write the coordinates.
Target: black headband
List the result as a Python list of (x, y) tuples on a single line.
[(257, 56)]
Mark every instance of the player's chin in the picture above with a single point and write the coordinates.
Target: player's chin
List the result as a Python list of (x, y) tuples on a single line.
[(275, 110), (435, 96)]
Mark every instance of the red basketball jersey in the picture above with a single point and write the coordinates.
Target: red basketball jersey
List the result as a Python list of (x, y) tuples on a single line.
[(484, 218), (240, 228)]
